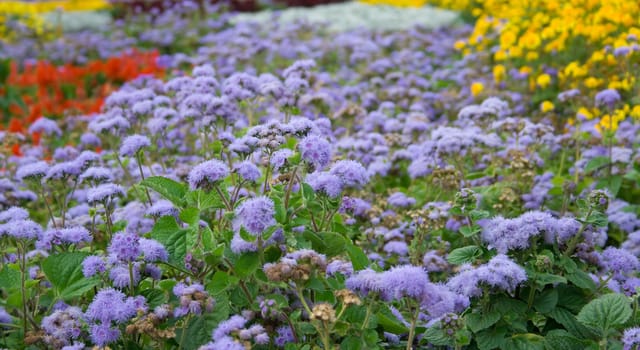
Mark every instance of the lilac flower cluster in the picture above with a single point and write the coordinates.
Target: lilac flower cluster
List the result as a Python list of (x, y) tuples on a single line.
[(109, 308), (500, 273)]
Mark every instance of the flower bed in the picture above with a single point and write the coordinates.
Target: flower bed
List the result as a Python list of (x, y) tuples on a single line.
[(300, 189)]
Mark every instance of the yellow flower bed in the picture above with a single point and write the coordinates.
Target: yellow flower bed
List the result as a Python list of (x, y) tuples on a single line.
[(587, 43), (30, 13), (397, 3)]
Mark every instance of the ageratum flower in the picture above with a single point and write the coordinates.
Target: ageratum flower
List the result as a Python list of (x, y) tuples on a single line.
[(93, 265), (125, 246), (21, 229), (619, 261), (111, 306), (152, 250), (104, 193), (97, 174), (33, 171), (315, 150), (247, 171), (45, 126), (13, 214), (607, 98), (500, 273), (631, 338), (326, 183), (193, 299), (352, 173), (255, 215), (63, 325), (508, 234), (207, 174), (133, 144)]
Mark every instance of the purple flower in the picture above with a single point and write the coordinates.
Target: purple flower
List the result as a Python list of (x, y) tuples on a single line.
[(284, 336), (352, 173), (207, 174), (631, 338), (315, 150), (103, 334), (255, 215), (607, 98), (324, 182), (93, 265), (234, 323), (125, 246), (133, 144), (90, 139), (401, 200), (120, 277), (45, 126), (13, 214), (618, 261), (339, 266), (35, 170), (247, 171), (64, 170), (5, 317), (97, 174), (500, 273), (63, 325), (21, 229), (404, 281), (153, 250), (104, 193), (508, 234)]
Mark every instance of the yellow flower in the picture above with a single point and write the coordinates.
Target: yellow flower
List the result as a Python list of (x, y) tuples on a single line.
[(476, 88), (635, 112), (499, 73), (459, 45), (546, 106), (543, 80), (592, 82), (585, 113)]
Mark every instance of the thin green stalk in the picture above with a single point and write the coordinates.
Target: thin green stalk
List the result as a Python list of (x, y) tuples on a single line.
[(412, 330)]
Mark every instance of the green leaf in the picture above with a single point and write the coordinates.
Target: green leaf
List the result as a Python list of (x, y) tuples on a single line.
[(568, 320), (491, 339), (198, 332), (389, 322), (359, 259), (479, 321), (167, 188), (436, 336), (464, 255), (612, 183), (351, 343), (329, 243), (477, 214), (190, 216), (204, 201), (606, 312), (154, 297), (470, 231), (561, 339), (246, 265), (596, 163), (546, 301), (64, 271), (581, 279), (526, 341), (9, 278), (167, 232), (547, 278)]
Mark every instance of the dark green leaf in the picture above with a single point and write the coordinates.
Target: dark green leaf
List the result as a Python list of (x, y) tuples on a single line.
[(190, 216), (154, 297), (547, 278), (491, 339), (246, 265), (167, 232), (561, 339), (526, 341), (581, 279), (596, 163), (329, 243), (479, 321), (9, 278), (436, 336), (64, 271), (167, 188), (568, 320), (359, 259), (464, 255), (606, 312), (389, 322), (546, 301), (351, 343)]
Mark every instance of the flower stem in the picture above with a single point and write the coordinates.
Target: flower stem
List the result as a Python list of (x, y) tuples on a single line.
[(412, 330)]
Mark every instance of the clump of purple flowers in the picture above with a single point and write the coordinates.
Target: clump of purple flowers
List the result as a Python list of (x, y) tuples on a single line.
[(108, 309), (500, 273)]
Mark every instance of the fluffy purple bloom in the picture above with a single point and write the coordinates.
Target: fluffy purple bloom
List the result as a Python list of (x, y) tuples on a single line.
[(125, 246), (104, 193), (90, 139), (352, 173), (103, 334), (396, 247), (120, 277), (433, 262), (133, 144), (339, 266), (234, 323), (255, 215), (63, 325), (45, 126), (631, 338), (13, 214), (500, 273), (279, 158), (607, 98), (207, 173), (618, 260), (93, 265), (247, 171), (153, 250), (324, 182), (401, 200), (508, 234), (97, 174), (226, 343), (404, 281), (64, 170), (70, 235), (284, 336), (315, 150), (21, 229)]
